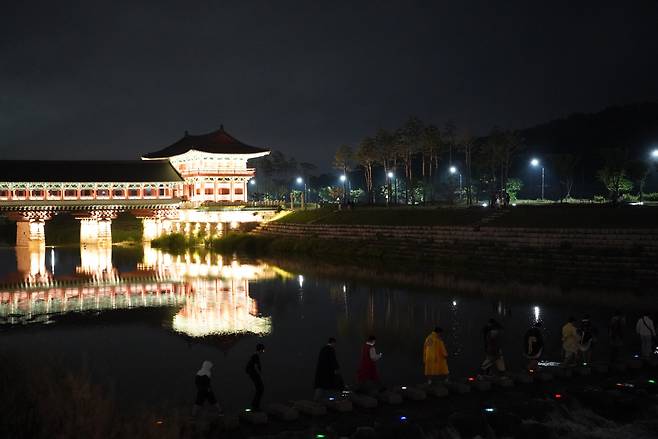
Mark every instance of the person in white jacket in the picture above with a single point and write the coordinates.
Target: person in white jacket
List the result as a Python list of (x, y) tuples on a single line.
[(647, 332)]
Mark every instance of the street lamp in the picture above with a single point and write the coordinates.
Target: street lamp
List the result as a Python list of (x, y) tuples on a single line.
[(536, 163), (654, 153), (454, 170), (389, 186)]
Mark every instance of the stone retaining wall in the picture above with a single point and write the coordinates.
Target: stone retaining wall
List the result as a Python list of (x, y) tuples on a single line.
[(606, 257)]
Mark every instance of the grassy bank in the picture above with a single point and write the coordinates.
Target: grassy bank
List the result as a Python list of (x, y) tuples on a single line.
[(548, 216)]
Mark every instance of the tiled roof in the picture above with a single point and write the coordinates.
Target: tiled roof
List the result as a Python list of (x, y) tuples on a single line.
[(86, 171), (217, 142)]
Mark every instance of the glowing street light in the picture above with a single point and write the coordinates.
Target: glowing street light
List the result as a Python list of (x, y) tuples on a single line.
[(252, 181), (300, 180), (453, 170), (390, 174), (654, 153), (536, 163), (343, 178)]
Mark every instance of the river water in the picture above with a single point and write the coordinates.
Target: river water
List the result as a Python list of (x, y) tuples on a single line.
[(141, 322)]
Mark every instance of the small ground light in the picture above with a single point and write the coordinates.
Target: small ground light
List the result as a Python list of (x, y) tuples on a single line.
[(403, 418), (320, 436), (558, 396), (652, 381), (331, 398), (471, 378), (489, 409), (247, 410), (636, 356), (159, 422), (404, 387), (532, 371)]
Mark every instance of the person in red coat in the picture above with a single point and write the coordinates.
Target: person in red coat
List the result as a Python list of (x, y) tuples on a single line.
[(367, 371)]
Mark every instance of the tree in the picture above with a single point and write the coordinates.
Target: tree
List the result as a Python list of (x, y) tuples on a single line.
[(467, 146), (637, 171), (385, 144), (366, 155), (613, 173), (513, 187), (343, 161), (431, 147), (408, 144), (564, 167)]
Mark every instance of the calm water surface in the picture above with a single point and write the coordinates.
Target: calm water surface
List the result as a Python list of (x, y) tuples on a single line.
[(141, 322)]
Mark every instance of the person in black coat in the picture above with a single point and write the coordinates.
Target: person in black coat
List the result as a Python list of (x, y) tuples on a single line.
[(254, 371), (533, 345), (327, 371)]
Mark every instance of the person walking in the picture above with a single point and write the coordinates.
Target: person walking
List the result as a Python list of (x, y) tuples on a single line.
[(587, 338), (645, 329), (254, 371), (492, 332), (570, 342), (367, 372), (203, 389), (435, 356), (533, 346), (327, 371), (616, 336)]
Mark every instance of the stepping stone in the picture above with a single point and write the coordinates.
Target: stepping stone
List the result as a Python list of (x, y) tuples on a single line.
[(310, 408), (340, 405), (255, 418), (583, 371), (523, 378), (388, 397), (363, 401), (282, 412), (504, 382), (634, 363), (544, 376), (229, 422), (563, 372), (412, 393), (619, 367), (458, 388), (600, 368), (436, 390), (651, 361), (481, 386)]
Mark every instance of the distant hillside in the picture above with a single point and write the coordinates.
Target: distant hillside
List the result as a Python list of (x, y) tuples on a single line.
[(633, 126)]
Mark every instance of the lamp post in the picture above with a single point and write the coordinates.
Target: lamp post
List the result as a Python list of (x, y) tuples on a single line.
[(252, 182), (389, 178), (536, 163), (343, 179), (299, 181), (453, 170)]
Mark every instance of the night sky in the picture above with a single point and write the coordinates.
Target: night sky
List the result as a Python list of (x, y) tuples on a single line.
[(118, 79)]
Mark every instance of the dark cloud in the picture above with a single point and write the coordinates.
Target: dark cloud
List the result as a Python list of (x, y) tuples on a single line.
[(114, 80)]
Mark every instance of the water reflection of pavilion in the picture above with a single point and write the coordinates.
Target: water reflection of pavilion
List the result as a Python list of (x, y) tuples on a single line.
[(211, 291)]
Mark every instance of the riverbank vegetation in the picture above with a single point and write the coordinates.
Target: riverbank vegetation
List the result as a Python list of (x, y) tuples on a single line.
[(49, 401), (177, 243)]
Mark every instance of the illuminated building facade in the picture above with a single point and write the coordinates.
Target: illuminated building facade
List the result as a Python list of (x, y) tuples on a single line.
[(169, 189), (214, 166)]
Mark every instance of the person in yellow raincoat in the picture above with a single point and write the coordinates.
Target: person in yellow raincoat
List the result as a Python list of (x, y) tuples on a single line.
[(435, 356), (570, 342)]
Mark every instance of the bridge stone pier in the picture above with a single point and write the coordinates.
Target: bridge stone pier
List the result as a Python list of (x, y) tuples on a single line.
[(96, 226)]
